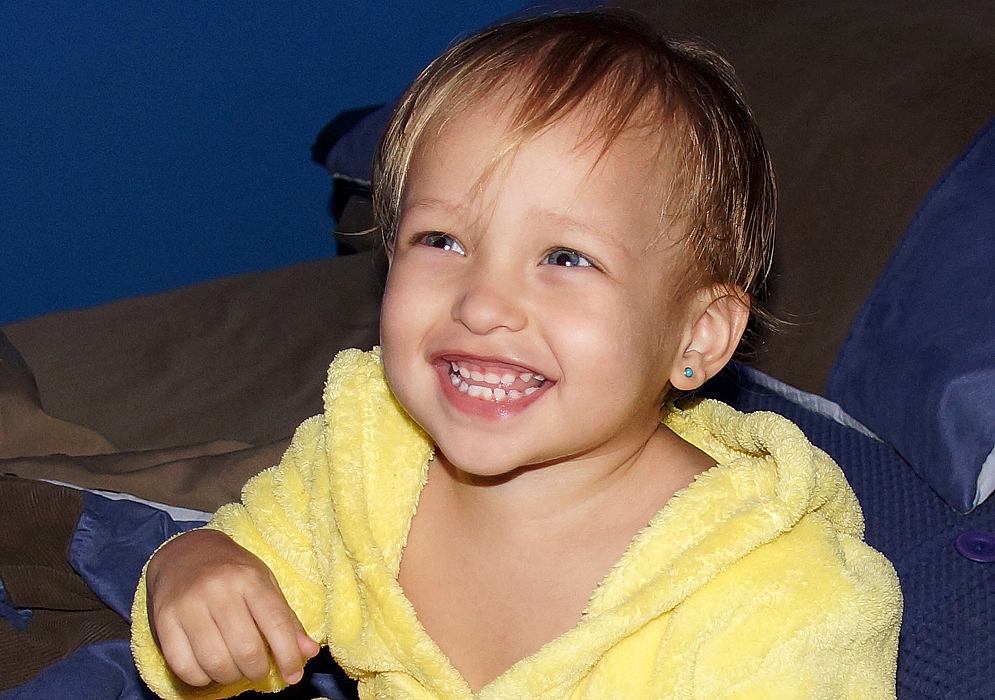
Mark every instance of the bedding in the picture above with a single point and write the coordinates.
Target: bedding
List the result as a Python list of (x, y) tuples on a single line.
[(112, 539), (918, 366), (47, 611)]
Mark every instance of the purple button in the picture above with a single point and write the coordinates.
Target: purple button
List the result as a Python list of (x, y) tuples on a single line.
[(976, 545)]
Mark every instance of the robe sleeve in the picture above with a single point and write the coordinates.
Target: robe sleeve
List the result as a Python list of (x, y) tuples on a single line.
[(273, 522)]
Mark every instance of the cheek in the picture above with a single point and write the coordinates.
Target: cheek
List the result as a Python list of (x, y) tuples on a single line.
[(390, 314), (398, 341), (397, 319), (403, 292), (412, 307), (592, 338), (598, 321), (620, 342)]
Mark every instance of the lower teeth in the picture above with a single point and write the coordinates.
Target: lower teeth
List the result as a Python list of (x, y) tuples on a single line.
[(486, 393)]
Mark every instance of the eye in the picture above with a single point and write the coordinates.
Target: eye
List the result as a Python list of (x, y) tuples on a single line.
[(564, 257), (442, 241)]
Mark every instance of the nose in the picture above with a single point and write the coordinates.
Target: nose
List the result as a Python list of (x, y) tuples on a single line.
[(490, 302)]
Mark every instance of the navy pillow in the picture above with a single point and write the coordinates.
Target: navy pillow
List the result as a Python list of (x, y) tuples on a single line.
[(350, 157), (918, 366)]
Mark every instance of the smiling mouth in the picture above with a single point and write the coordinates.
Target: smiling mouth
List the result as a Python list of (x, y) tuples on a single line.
[(498, 384)]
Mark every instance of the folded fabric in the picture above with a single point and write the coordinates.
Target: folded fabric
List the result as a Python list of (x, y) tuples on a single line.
[(113, 538), (48, 611)]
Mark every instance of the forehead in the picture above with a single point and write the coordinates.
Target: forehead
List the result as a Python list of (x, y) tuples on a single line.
[(470, 151), (468, 173), (594, 119)]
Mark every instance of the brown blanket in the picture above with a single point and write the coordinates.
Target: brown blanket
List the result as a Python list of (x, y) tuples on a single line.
[(36, 523), (174, 388)]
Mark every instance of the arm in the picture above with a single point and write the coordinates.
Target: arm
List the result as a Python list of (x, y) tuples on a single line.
[(261, 547), (217, 613)]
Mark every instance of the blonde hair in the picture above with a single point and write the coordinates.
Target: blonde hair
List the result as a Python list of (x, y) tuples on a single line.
[(626, 76)]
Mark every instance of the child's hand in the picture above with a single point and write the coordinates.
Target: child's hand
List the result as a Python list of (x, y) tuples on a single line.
[(217, 613)]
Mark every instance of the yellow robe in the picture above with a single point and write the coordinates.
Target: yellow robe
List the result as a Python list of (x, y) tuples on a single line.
[(753, 582)]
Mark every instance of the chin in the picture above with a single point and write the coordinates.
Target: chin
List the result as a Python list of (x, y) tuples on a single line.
[(483, 466)]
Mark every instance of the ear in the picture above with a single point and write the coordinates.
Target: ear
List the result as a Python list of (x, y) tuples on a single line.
[(716, 323)]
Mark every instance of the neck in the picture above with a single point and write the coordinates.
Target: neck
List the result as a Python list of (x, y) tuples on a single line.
[(531, 499)]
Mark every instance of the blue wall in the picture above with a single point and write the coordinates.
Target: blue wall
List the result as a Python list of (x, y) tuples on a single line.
[(148, 145)]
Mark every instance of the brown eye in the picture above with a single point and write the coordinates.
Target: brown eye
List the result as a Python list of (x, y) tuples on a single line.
[(564, 257)]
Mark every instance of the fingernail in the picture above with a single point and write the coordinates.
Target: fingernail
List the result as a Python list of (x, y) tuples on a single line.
[(295, 677)]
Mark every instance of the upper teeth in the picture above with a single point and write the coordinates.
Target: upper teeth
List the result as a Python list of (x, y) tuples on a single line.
[(461, 378), (493, 377)]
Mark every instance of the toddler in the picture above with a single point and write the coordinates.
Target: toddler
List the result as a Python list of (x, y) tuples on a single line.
[(578, 216)]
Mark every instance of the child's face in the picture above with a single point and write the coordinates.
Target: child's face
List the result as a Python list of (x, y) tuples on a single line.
[(531, 313)]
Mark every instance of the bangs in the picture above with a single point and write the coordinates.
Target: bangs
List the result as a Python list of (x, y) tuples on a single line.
[(603, 68)]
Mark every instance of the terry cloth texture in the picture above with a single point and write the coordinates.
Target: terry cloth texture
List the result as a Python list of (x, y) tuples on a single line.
[(753, 582)]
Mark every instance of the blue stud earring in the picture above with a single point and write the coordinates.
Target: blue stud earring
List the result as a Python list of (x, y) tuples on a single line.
[(688, 372)]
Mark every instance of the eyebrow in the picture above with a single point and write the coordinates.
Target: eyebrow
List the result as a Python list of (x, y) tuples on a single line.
[(433, 203), (570, 222)]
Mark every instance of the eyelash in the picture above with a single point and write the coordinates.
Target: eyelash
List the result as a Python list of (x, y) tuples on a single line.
[(581, 259), (432, 240), (449, 243)]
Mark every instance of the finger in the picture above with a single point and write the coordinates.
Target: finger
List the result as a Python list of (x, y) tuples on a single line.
[(245, 644), (307, 646), (281, 629), (179, 655), (211, 651)]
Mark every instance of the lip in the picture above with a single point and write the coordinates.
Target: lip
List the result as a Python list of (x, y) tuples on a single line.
[(488, 409)]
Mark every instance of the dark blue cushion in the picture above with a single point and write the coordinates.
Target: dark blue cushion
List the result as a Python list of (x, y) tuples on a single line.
[(918, 366), (113, 540)]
